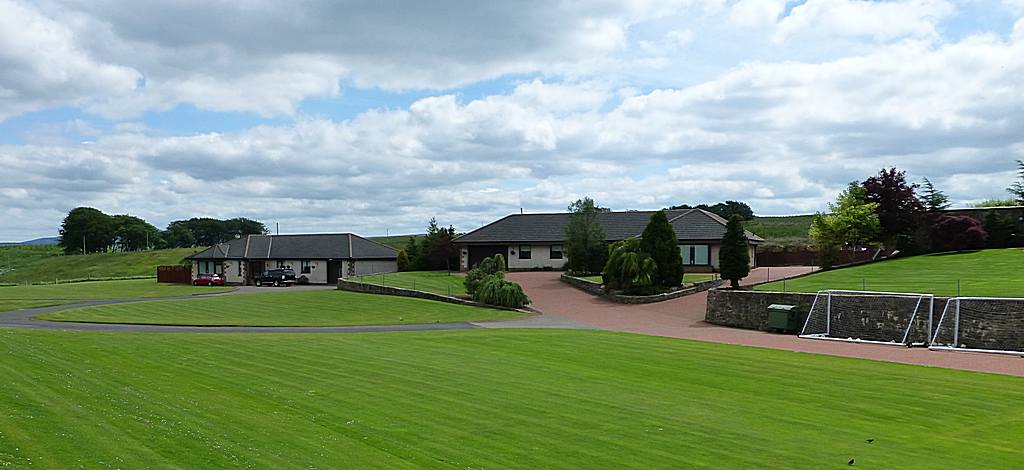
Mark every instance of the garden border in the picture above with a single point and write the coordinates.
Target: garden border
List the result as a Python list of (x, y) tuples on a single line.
[(354, 286), (596, 289)]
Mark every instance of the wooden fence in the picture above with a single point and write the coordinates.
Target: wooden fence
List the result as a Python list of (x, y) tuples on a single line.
[(174, 274), (805, 257)]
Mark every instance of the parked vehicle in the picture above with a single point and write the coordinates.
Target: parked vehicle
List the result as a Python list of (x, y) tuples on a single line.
[(276, 277), (208, 280)]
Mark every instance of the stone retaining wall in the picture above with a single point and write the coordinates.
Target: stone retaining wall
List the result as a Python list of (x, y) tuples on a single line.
[(594, 288), (749, 309), (885, 316)]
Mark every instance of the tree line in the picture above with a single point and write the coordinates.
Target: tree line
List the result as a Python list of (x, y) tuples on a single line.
[(886, 211), (435, 252), (89, 230)]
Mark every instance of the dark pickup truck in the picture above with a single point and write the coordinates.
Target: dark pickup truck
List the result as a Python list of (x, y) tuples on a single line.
[(276, 277)]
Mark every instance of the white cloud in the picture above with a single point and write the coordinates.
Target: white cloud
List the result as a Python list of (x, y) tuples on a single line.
[(42, 65), (753, 13), (878, 20), (267, 57), (699, 112)]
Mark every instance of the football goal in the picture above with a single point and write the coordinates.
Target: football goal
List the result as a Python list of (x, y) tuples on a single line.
[(870, 317), (981, 324)]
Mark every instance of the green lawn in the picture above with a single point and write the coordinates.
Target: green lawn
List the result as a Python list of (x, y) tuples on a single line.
[(428, 281), (687, 278), (137, 288), (45, 263), (11, 305), (484, 399), (995, 273), (308, 308)]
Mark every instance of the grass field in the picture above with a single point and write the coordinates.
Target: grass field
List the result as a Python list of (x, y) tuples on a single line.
[(45, 263), (783, 230), (398, 242), (686, 278), (309, 308), (427, 281), (484, 399), (995, 273), (130, 289)]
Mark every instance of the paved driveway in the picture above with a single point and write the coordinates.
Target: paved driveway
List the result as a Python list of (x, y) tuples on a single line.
[(684, 318)]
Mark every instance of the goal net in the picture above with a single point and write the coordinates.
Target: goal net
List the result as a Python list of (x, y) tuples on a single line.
[(981, 324), (870, 317)]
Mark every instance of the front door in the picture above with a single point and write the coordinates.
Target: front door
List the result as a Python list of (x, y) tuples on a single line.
[(255, 269), (334, 271)]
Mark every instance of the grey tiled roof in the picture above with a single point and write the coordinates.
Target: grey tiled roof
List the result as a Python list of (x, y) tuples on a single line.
[(689, 224), (313, 246)]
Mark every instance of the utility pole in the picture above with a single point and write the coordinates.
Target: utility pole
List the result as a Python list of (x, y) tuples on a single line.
[(278, 229), (83, 244)]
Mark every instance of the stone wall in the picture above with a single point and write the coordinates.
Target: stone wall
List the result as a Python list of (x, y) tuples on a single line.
[(594, 288), (880, 318), (749, 309)]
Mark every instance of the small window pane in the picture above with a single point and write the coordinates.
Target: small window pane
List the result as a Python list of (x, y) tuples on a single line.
[(556, 252), (524, 252)]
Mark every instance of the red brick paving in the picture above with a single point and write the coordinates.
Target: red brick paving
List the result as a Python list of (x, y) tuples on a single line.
[(684, 318)]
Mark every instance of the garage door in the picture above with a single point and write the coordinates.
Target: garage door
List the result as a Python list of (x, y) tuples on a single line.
[(478, 253)]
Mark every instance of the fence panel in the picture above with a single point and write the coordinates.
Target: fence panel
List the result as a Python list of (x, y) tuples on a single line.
[(174, 274)]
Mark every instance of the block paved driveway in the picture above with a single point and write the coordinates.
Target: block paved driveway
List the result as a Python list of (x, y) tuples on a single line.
[(684, 318)]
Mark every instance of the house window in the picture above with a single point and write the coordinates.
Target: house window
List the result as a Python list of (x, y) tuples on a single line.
[(211, 267), (524, 252), (307, 267), (695, 255), (556, 251)]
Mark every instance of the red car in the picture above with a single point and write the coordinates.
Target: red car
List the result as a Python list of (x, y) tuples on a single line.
[(208, 280)]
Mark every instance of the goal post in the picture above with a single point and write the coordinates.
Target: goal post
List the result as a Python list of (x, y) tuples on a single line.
[(981, 324), (894, 318)]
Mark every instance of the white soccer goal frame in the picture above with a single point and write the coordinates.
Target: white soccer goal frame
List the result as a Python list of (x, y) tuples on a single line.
[(906, 331), (956, 327)]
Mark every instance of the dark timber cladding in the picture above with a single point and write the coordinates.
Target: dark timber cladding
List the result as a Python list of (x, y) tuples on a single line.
[(477, 253)]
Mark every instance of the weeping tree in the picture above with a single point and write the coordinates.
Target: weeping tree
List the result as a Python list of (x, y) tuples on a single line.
[(734, 256), (629, 269)]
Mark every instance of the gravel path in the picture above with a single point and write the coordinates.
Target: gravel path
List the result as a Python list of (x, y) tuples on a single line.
[(684, 318)]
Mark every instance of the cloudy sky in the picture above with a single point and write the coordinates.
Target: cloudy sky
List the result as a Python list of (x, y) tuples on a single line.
[(373, 116)]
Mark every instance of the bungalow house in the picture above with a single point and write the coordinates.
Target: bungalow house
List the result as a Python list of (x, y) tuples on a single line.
[(320, 258), (537, 241)]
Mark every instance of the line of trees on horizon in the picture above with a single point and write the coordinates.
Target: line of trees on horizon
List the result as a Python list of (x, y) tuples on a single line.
[(89, 230)]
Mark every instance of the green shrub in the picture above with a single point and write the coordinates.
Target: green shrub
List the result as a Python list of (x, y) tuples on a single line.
[(402, 261), (495, 290), (659, 242), (629, 269), (494, 265)]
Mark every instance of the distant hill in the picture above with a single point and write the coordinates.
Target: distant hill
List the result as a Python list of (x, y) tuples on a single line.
[(45, 263), (38, 241), (398, 242), (781, 230)]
